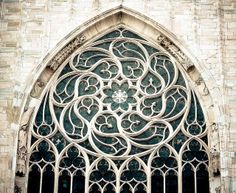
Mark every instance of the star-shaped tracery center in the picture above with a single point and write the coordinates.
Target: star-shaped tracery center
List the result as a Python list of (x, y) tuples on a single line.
[(120, 95)]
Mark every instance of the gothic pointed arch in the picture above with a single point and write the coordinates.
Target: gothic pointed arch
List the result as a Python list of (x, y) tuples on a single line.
[(116, 108)]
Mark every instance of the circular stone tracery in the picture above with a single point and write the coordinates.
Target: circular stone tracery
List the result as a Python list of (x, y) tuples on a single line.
[(119, 114), (130, 98)]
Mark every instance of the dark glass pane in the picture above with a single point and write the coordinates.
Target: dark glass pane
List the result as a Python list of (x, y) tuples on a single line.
[(140, 189), (134, 172), (64, 183), (95, 189), (65, 70), (151, 50), (178, 140), (43, 114), (171, 182), (157, 182), (109, 189), (78, 182), (126, 189), (180, 80), (188, 179), (130, 34), (59, 141), (195, 123), (34, 180), (112, 34), (104, 45), (42, 153), (48, 180), (205, 139), (202, 179)]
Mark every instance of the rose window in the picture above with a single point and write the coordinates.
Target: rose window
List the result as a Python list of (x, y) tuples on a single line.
[(120, 117), (120, 96)]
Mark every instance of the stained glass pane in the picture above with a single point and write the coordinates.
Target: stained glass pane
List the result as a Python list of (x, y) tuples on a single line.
[(171, 182), (64, 182), (157, 182), (188, 179), (34, 180), (78, 182), (48, 180), (202, 179)]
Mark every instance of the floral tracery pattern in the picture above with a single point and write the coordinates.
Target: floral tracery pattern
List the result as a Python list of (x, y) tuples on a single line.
[(134, 83), (120, 98)]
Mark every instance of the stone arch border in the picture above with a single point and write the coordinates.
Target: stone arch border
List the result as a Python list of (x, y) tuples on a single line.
[(200, 79)]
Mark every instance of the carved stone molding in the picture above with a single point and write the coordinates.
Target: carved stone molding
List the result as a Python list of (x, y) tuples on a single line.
[(41, 82), (66, 51), (176, 52), (215, 161), (203, 88), (20, 185), (17, 189), (218, 189), (215, 136), (214, 152), (22, 142), (221, 189)]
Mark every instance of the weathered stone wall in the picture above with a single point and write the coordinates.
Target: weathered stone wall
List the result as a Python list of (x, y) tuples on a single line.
[(30, 29)]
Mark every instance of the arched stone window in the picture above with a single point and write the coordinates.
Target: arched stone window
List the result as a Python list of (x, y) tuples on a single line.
[(117, 115)]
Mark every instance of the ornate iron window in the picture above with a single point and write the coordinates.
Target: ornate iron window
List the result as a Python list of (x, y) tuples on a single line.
[(120, 117)]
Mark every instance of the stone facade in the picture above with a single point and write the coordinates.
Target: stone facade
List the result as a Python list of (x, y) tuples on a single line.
[(31, 30)]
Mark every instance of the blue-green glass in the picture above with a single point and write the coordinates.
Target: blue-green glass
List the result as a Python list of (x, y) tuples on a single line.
[(43, 122), (106, 70), (103, 172), (59, 141), (87, 59), (72, 160), (34, 180), (178, 140), (110, 35), (133, 172), (195, 152), (88, 85), (43, 153), (132, 68), (150, 84)]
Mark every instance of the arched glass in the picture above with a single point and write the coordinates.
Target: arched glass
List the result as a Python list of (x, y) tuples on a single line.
[(120, 116)]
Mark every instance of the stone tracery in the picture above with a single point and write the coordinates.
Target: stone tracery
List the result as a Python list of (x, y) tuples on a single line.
[(120, 97)]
